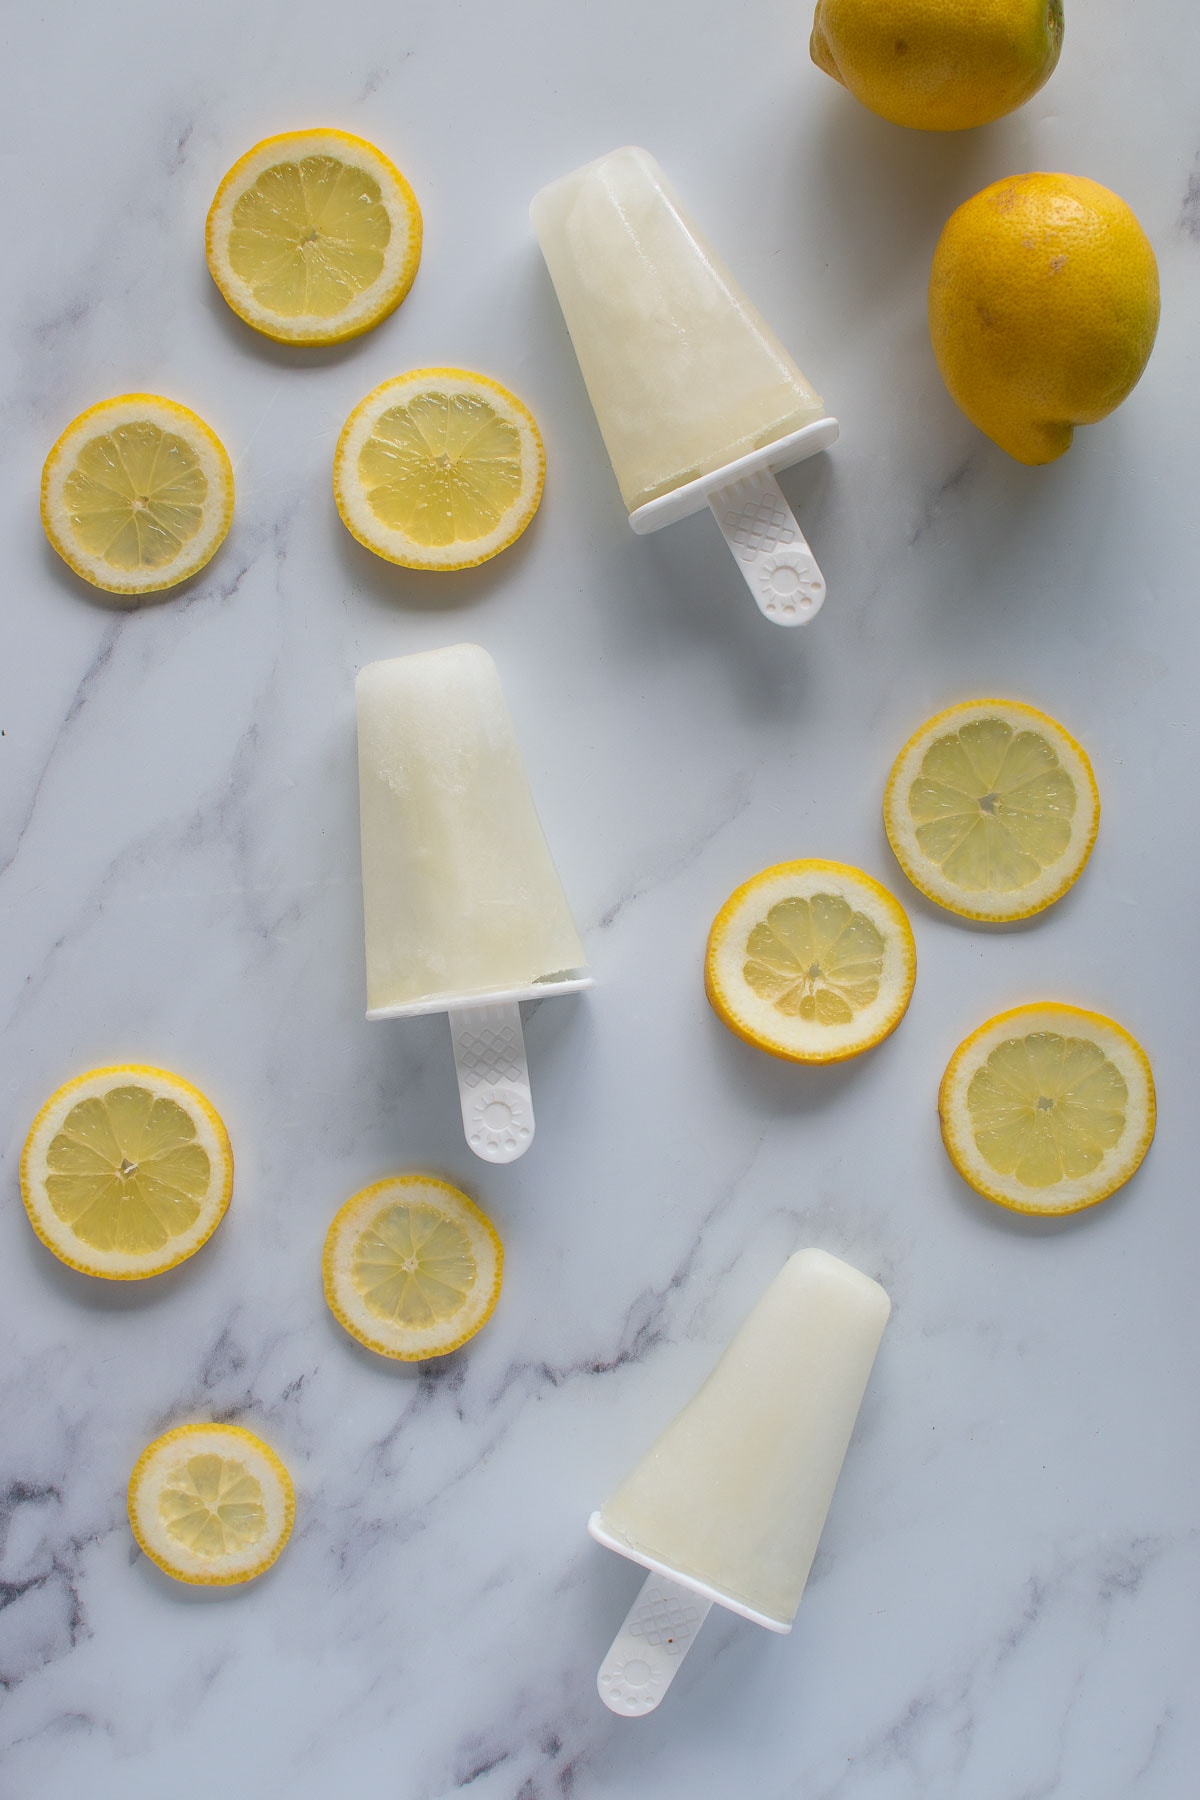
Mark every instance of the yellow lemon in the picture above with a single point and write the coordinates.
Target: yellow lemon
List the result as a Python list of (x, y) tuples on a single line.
[(1043, 308), (811, 961), (314, 237), (412, 1267), (137, 494), (438, 469), (939, 65), (992, 809), (1047, 1109), (126, 1171), (211, 1504)]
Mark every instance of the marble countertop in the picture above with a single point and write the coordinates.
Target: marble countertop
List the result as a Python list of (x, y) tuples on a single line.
[(1004, 1604)]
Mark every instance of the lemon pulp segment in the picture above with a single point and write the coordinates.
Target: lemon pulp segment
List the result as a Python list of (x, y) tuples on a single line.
[(439, 468), (126, 1172), (309, 236), (314, 236), (444, 468), (137, 494), (992, 810), (1048, 1109), (412, 1267), (812, 961), (211, 1504)]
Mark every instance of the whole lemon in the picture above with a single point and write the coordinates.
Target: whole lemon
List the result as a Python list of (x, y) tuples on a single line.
[(939, 65), (1043, 306)]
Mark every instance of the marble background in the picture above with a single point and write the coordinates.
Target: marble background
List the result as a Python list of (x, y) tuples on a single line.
[(1005, 1602)]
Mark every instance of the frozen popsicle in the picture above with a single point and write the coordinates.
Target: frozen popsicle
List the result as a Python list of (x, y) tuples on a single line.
[(463, 908), (697, 400), (729, 1504)]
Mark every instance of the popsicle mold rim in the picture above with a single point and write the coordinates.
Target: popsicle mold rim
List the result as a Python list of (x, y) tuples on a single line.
[(715, 1596), (538, 990), (694, 496)]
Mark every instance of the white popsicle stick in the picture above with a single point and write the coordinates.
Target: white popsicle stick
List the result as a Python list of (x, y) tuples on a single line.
[(493, 1080), (757, 523), (660, 1628), (769, 548)]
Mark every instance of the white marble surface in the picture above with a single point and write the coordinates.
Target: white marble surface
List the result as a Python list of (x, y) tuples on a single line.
[(1004, 1606)]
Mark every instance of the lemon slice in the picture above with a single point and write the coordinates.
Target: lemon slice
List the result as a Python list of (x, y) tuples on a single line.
[(126, 1172), (211, 1504), (438, 469), (412, 1267), (992, 810), (1047, 1109), (137, 494), (313, 237), (811, 961)]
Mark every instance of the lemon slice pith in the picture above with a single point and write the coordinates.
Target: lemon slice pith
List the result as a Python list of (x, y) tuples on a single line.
[(1047, 1108), (811, 961), (991, 809), (211, 1504), (412, 1268), (313, 237), (126, 1171), (137, 494), (438, 469)]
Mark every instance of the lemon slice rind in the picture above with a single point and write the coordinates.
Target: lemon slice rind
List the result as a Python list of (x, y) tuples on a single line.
[(100, 421), (409, 1343), (1057, 875), (755, 1019), (57, 1234), (159, 1468), (375, 301), (1118, 1162), (398, 546)]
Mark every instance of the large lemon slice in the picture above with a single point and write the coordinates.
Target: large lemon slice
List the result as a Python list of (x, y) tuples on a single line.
[(992, 809), (438, 469), (313, 237), (126, 1171), (811, 961), (412, 1267), (211, 1504), (1047, 1109), (137, 494)]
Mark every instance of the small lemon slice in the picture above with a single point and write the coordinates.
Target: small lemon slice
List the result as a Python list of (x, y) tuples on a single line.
[(211, 1504), (992, 810), (137, 494), (126, 1172), (811, 961), (314, 237), (1047, 1109), (412, 1267), (438, 469)]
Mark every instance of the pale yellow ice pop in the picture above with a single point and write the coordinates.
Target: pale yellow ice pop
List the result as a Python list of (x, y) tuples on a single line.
[(684, 374), (730, 1502)]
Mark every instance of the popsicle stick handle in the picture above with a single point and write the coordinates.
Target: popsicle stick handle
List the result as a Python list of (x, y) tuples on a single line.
[(493, 1080), (769, 548), (659, 1630)]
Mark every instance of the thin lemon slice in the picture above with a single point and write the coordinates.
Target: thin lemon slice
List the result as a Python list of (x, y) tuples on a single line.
[(126, 1172), (811, 961), (992, 810), (1047, 1109), (137, 494), (314, 237), (412, 1267), (438, 469), (211, 1504)]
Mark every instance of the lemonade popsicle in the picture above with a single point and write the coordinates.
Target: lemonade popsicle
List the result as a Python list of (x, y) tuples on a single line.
[(463, 908), (729, 1504), (696, 398)]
